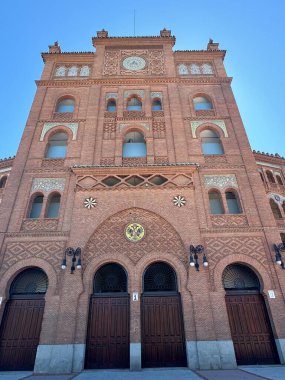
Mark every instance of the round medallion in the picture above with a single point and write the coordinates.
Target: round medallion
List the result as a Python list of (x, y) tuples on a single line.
[(134, 63), (134, 232)]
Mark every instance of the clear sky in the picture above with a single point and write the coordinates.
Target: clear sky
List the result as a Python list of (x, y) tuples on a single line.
[(252, 32)]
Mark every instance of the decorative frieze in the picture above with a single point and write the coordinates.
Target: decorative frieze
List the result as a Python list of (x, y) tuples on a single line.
[(72, 71), (139, 93), (220, 181), (48, 184), (47, 126), (111, 95), (195, 69), (145, 126), (156, 95), (219, 123)]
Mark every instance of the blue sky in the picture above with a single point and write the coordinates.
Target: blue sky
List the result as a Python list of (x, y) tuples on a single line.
[(252, 32)]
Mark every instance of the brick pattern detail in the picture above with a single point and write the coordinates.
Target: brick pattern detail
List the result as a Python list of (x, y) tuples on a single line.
[(134, 161), (157, 113), (53, 163), (229, 220), (52, 252), (39, 224), (215, 159), (109, 129), (158, 128), (62, 116), (205, 113), (111, 62), (161, 159), (156, 62), (134, 115), (109, 114), (110, 237), (107, 161), (218, 248)]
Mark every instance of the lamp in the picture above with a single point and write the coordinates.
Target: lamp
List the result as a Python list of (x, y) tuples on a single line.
[(278, 248), (194, 259), (74, 253)]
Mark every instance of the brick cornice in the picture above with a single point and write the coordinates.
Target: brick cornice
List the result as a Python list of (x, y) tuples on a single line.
[(131, 81)]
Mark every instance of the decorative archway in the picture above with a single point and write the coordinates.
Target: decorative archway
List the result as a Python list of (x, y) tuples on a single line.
[(163, 337), (22, 320), (248, 317), (108, 332)]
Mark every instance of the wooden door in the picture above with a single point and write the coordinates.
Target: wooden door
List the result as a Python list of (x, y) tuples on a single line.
[(19, 334), (108, 340), (163, 341), (251, 330)]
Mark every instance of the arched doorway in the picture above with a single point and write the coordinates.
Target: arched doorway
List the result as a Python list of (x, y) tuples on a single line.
[(163, 338), (249, 322), (108, 333), (22, 321)]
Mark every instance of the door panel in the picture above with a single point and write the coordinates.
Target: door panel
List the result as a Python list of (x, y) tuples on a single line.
[(251, 330), (108, 342), (19, 334), (163, 342)]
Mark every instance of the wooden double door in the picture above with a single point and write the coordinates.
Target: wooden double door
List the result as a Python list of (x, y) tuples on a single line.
[(20, 332), (108, 334), (251, 330), (163, 340)]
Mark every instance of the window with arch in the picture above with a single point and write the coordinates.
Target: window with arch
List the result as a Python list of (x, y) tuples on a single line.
[(158, 277), (216, 204), (52, 210), (111, 105), (3, 181), (261, 176), (275, 209), (279, 180), (270, 176), (134, 145), (36, 207), (211, 143), (156, 105), (65, 105), (110, 278), (134, 104), (57, 145), (233, 202), (202, 103)]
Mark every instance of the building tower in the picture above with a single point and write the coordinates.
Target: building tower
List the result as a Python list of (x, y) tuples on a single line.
[(135, 175)]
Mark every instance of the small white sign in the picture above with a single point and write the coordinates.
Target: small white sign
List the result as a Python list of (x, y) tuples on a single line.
[(271, 293), (135, 296), (1, 299)]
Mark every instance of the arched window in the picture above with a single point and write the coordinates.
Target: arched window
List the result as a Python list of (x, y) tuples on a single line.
[(270, 176), (202, 103), (159, 277), (156, 105), (233, 203), (134, 145), (240, 277), (28, 282), (216, 204), (211, 143), (111, 105), (36, 207), (275, 209), (53, 206), (65, 105), (261, 176), (110, 278), (134, 104), (57, 145), (3, 181), (279, 180)]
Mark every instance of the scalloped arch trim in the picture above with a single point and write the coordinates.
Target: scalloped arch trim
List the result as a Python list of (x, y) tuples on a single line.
[(47, 126), (219, 123)]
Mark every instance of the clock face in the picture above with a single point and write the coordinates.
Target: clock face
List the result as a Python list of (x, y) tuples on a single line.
[(134, 232), (134, 63)]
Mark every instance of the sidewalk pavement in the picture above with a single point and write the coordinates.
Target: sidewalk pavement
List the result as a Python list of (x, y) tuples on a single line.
[(241, 373)]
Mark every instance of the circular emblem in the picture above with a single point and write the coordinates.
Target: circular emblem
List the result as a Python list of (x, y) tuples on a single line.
[(277, 198), (134, 63), (134, 232)]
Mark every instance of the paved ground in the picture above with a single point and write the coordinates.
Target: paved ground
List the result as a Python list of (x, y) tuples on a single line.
[(242, 373)]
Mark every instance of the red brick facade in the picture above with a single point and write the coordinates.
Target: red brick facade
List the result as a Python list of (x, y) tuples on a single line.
[(140, 190)]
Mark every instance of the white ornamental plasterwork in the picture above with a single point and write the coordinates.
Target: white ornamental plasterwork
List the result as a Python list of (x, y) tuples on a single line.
[(60, 71), (140, 93), (179, 201), (182, 69), (156, 95), (218, 123), (85, 71), (72, 71), (276, 197), (143, 125), (47, 126), (48, 184), (111, 95), (220, 181)]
